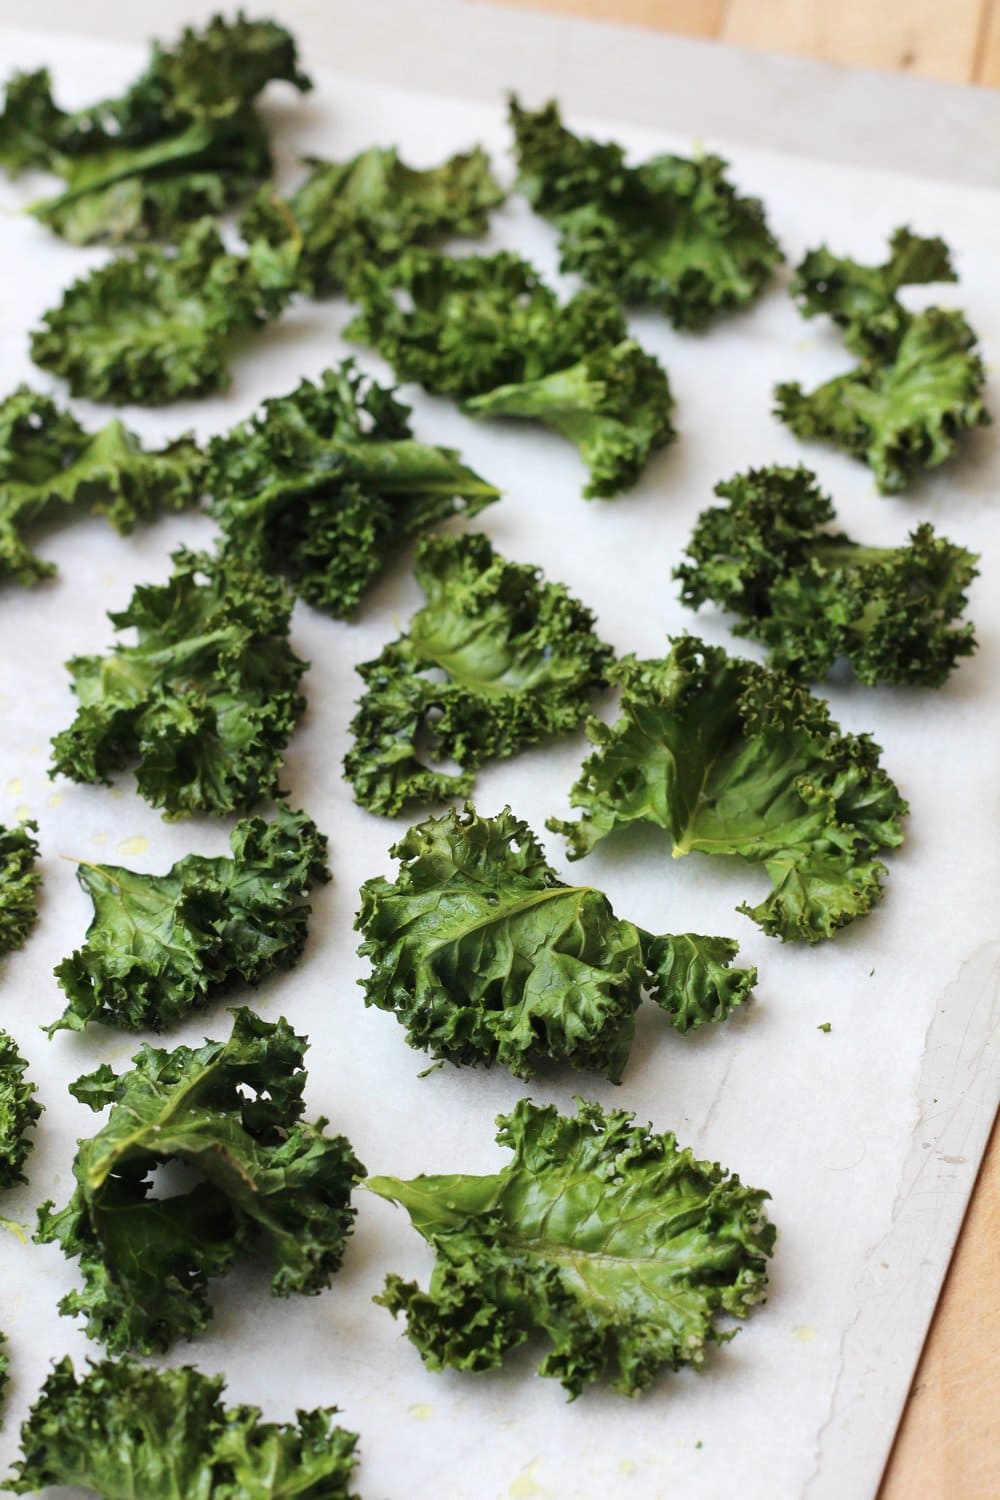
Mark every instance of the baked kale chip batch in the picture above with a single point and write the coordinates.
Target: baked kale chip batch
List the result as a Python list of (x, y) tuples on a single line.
[(48, 459), (484, 955), (732, 758), (672, 233), (182, 141), (611, 1240), (495, 660), (232, 1111), (123, 1430), (367, 211), (19, 1112), (812, 595), (488, 331), (204, 702), (325, 484), (161, 946), (19, 885)]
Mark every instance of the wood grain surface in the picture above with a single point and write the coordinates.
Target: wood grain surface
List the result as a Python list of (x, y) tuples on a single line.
[(948, 1443)]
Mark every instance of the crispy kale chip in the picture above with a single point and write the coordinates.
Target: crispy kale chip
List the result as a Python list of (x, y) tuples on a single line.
[(616, 1243), (487, 330), (369, 210), (18, 1113), (494, 661), (184, 140), (325, 484), (155, 325), (48, 459), (19, 885), (4, 1370), (812, 596), (206, 699), (160, 946), (485, 955), (232, 1112), (124, 1430), (672, 232), (732, 758)]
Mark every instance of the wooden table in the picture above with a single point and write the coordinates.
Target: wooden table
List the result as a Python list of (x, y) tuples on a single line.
[(948, 1443)]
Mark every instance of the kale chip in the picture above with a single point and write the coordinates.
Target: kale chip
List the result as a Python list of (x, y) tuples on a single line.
[(731, 758), (18, 1113), (19, 885), (615, 1242), (232, 1111), (206, 699), (326, 484), (671, 233), (812, 596), (494, 661)]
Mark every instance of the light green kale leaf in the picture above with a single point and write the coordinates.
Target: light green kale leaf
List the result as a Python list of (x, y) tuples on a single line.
[(123, 1430), (672, 233), (20, 883), (160, 946), (495, 660), (48, 459), (484, 955), (812, 596), (206, 699), (19, 1112), (611, 1240), (732, 758), (326, 484), (232, 1111)]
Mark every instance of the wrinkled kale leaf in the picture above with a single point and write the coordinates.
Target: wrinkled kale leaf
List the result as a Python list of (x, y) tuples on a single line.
[(154, 325), (123, 1430), (160, 946), (672, 233), (812, 596), (184, 140), (369, 210), (48, 459), (732, 758), (19, 884), (18, 1113), (484, 955), (616, 1243), (232, 1111), (325, 484), (495, 660), (206, 699), (487, 330)]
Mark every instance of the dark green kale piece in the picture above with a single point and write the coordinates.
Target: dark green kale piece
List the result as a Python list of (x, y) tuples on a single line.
[(4, 1370), (233, 1112), (732, 758), (204, 701), (19, 884), (672, 233), (484, 955), (123, 1430), (613, 1241), (494, 661), (161, 946), (19, 1112), (812, 595), (326, 484)]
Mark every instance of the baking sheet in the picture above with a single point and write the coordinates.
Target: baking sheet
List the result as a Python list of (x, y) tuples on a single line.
[(867, 1136)]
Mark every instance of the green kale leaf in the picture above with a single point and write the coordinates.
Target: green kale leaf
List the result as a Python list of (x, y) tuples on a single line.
[(512, 660), (206, 699), (155, 325), (232, 1111), (160, 946), (484, 955), (19, 885), (48, 459), (325, 484), (369, 210), (731, 758), (812, 596), (29, 122), (123, 1430), (616, 1243), (487, 330), (18, 1113), (671, 233)]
